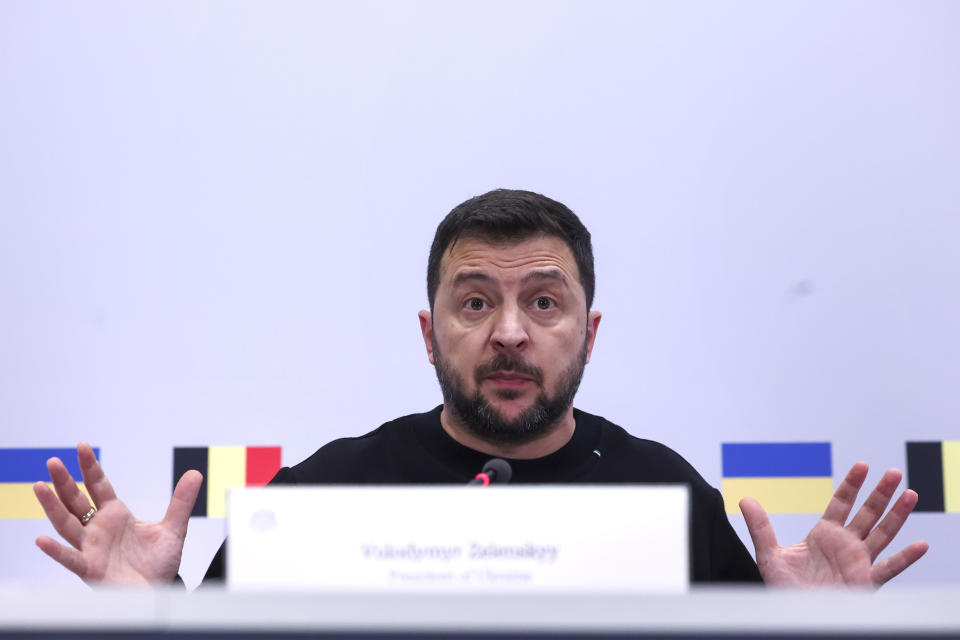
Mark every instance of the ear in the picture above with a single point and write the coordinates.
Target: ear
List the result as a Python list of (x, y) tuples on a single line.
[(426, 328), (593, 321)]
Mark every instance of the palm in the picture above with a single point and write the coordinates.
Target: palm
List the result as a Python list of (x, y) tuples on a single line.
[(835, 553), (113, 547), (829, 554), (121, 549)]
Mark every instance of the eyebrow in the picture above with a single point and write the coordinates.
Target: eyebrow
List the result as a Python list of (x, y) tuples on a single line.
[(545, 274), (479, 276), (471, 276)]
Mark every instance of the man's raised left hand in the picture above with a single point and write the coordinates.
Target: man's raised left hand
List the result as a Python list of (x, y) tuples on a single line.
[(836, 553)]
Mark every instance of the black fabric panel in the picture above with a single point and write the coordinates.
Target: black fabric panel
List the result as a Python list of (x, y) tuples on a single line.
[(186, 458), (925, 474)]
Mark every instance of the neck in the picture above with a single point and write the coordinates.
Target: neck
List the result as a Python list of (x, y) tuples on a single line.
[(538, 448)]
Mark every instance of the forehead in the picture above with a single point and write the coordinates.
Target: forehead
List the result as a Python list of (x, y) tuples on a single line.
[(509, 260)]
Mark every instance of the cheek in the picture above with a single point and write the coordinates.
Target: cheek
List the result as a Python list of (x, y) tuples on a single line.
[(562, 350), (568, 338), (457, 345)]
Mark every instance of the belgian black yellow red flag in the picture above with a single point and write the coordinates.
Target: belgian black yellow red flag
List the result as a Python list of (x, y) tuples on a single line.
[(933, 471), (224, 468)]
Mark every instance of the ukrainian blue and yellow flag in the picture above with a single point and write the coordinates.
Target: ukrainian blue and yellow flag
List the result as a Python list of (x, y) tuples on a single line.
[(784, 477), (20, 468)]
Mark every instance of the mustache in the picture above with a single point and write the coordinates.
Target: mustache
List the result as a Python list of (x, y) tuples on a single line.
[(504, 362)]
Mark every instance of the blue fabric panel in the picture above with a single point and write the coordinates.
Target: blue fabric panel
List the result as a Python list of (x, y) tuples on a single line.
[(30, 465), (776, 459)]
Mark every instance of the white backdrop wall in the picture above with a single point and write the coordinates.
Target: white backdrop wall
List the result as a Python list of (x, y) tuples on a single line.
[(214, 221)]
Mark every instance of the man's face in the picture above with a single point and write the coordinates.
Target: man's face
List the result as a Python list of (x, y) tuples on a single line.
[(509, 335)]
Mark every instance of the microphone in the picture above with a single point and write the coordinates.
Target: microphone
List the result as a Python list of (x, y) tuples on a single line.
[(495, 470)]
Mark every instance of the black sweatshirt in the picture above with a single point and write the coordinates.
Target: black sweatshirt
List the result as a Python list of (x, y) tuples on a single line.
[(416, 450)]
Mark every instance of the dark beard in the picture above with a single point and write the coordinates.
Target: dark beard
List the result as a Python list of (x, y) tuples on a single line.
[(486, 422)]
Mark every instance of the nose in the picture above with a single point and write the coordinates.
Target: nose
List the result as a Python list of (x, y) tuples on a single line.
[(509, 333)]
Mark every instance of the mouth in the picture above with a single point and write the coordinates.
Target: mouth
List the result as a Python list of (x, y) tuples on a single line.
[(508, 379)]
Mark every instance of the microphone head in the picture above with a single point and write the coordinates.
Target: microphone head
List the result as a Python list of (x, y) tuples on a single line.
[(498, 470)]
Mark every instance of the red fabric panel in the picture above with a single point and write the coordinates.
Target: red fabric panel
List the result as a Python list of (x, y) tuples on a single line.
[(262, 464)]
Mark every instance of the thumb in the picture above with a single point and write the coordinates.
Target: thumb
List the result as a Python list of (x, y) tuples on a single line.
[(761, 531), (181, 504)]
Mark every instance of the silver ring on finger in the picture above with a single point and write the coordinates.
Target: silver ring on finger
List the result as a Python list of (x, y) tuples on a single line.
[(88, 516)]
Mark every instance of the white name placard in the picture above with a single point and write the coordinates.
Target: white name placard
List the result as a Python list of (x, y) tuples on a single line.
[(526, 538)]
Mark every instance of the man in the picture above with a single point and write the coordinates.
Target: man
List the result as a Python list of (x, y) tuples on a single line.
[(510, 329)]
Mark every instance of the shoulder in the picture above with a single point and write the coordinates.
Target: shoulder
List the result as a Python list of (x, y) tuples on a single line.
[(361, 459), (718, 554), (628, 458)]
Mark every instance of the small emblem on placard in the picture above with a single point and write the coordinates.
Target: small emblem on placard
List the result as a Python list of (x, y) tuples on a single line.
[(263, 520)]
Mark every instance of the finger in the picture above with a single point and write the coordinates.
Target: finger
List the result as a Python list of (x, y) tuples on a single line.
[(181, 504), (761, 531), (70, 558), (62, 520), (846, 494), (892, 567), (868, 514), (93, 477), (66, 487), (885, 532)]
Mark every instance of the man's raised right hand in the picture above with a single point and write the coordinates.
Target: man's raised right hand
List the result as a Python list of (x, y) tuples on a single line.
[(113, 547)]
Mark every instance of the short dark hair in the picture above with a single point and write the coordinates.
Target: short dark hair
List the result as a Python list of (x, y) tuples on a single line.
[(512, 216)]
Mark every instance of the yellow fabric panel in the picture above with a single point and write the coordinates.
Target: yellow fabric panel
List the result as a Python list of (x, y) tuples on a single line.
[(951, 477), (17, 501), (779, 495), (226, 468)]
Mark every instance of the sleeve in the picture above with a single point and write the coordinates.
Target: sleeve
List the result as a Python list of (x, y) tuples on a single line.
[(729, 559)]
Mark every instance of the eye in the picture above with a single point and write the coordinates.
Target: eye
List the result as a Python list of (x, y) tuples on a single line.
[(475, 304), (545, 304)]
